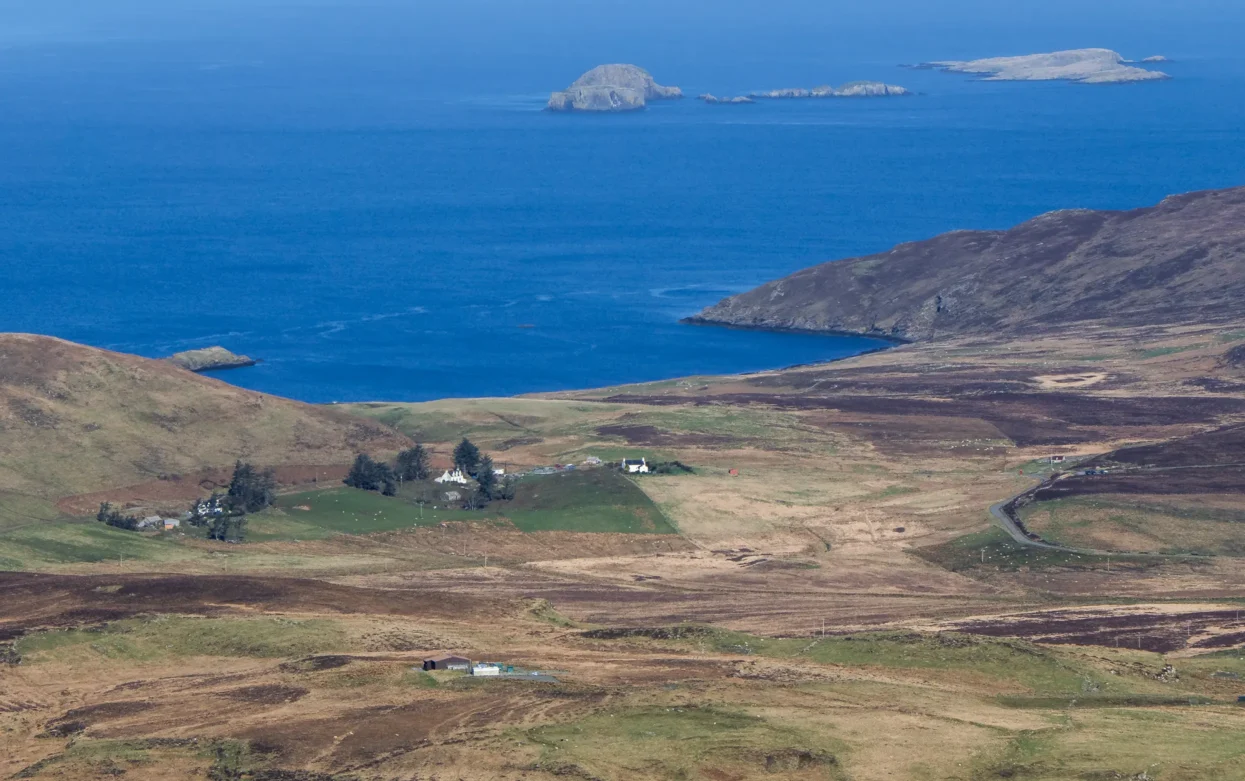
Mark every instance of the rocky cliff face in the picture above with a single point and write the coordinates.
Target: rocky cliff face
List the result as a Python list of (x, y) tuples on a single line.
[(612, 88), (1182, 261)]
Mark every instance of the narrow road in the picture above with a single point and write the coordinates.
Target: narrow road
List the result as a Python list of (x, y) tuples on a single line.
[(1016, 533), (1009, 524)]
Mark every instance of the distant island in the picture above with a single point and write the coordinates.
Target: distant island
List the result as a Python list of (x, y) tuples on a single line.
[(1083, 66), (855, 89), (714, 100), (612, 88), (210, 359)]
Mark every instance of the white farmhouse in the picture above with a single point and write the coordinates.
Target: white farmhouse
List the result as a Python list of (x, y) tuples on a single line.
[(634, 465), (456, 476)]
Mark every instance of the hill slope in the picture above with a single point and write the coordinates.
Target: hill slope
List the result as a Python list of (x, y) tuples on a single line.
[(1181, 261), (75, 419)]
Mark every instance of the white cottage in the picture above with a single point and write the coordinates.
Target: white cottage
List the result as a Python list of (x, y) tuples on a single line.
[(634, 465), (456, 476)]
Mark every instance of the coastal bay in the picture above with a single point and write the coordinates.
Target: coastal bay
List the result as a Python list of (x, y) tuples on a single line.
[(447, 248)]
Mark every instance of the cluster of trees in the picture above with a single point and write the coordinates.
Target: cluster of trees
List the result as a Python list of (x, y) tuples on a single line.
[(369, 474), (489, 486), (251, 490), (670, 468), (115, 518), (223, 515)]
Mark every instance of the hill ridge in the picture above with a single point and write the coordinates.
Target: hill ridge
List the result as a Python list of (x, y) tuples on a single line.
[(76, 419), (1180, 261)]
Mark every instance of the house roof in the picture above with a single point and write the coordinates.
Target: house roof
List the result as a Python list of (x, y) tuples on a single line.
[(447, 658)]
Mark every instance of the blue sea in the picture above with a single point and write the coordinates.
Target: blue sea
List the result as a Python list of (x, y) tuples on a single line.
[(385, 217)]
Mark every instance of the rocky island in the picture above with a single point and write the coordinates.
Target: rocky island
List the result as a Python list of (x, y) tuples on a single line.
[(855, 89), (1178, 262), (714, 100), (210, 359), (612, 88), (1083, 66)]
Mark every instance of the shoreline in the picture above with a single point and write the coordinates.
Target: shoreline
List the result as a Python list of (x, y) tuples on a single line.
[(889, 344), (893, 341)]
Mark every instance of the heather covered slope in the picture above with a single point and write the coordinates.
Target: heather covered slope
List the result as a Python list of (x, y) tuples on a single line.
[(75, 419), (1182, 261)]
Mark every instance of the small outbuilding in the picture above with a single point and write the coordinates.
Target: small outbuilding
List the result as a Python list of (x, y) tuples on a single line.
[(447, 662), (487, 670)]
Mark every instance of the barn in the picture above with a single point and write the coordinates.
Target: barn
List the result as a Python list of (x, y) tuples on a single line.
[(447, 662)]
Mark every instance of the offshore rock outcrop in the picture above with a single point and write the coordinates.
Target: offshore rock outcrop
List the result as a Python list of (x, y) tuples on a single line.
[(855, 89), (1083, 66), (612, 88), (1180, 262), (714, 100), (210, 359)]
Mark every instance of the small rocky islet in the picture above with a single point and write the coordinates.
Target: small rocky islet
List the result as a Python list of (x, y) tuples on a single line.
[(612, 88), (621, 88), (713, 100), (210, 359), (1082, 66), (855, 89)]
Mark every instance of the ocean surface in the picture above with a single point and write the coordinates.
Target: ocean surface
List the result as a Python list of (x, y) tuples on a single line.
[(372, 235)]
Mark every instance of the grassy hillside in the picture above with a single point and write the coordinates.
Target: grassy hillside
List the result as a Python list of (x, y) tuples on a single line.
[(75, 420), (598, 500)]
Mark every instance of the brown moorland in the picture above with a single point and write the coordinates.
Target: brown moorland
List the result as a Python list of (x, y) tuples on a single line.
[(75, 420)]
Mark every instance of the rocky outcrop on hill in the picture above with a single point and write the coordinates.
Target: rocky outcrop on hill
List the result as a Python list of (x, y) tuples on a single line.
[(855, 89), (1182, 261), (210, 359), (1084, 66), (612, 88)]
